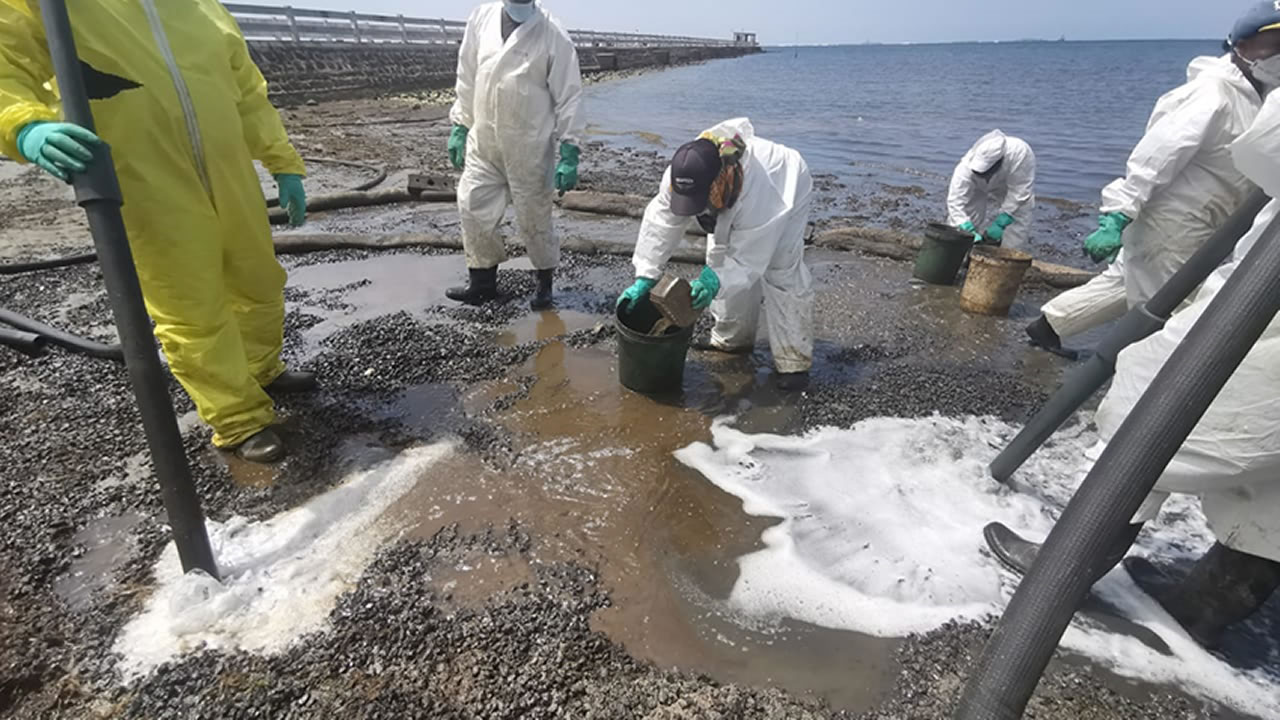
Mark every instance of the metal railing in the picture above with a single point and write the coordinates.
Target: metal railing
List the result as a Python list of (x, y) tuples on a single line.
[(290, 24)]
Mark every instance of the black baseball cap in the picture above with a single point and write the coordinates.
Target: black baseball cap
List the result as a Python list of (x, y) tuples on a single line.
[(694, 169)]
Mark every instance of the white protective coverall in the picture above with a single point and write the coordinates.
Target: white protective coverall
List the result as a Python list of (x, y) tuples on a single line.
[(520, 99), (1010, 190), (757, 250), (1181, 186), (1232, 458)]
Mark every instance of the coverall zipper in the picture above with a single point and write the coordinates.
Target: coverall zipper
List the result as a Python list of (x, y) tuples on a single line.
[(184, 94)]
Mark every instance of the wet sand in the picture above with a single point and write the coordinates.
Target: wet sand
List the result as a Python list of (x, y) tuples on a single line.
[(563, 564)]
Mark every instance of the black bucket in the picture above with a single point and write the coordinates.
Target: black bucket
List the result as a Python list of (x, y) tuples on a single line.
[(648, 364), (942, 254)]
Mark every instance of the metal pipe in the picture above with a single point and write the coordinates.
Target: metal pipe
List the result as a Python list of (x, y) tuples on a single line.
[(1029, 632), (28, 344), (98, 192), (1140, 323)]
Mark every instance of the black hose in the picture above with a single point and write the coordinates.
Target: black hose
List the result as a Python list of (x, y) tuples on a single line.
[(51, 264), (28, 344), (379, 175), (1024, 642), (60, 338), (1140, 323)]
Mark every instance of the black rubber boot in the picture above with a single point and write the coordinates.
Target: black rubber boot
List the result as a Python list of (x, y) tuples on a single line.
[(1019, 554), (543, 299), (293, 381), (793, 382), (481, 288), (264, 448), (1224, 588), (1045, 337)]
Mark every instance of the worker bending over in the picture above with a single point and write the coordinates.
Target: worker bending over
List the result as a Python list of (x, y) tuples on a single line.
[(185, 112), (753, 197), (519, 104), (993, 192), (1181, 184)]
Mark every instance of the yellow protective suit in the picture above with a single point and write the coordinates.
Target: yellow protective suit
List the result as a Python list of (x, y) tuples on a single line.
[(185, 111)]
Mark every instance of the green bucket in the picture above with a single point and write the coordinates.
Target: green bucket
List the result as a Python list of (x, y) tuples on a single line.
[(942, 254), (647, 364)]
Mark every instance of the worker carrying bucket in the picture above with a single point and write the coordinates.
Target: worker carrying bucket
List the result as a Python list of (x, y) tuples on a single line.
[(753, 197)]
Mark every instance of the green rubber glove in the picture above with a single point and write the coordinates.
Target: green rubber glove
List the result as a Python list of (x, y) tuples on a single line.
[(969, 227), (1105, 243), (995, 233), (636, 293), (567, 170), (458, 146), (705, 289), (60, 149), (293, 197)]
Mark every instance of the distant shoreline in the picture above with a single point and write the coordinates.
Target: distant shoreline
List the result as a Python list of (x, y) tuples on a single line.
[(793, 46)]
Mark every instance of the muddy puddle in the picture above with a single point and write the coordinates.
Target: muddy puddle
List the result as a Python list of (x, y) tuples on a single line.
[(107, 545), (594, 480)]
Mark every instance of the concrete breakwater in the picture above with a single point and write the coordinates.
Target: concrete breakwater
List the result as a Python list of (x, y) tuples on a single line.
[(301, 71), (327, 55)]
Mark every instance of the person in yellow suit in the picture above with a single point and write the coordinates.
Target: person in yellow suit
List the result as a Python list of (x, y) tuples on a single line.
[(185, 111)]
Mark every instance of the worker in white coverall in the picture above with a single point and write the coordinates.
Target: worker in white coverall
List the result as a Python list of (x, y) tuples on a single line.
[(753, 197), (519, 107), (1231, 460), (993, 192), (1180, 186)]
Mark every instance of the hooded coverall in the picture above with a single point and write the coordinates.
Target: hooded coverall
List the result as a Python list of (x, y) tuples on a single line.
[(520, 98), (757, 251), (1232, 458), (185, 110), (1011, 189), (1180, 186)]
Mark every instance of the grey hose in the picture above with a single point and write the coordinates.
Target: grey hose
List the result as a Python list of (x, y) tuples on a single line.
[(28, 344), (60, 338), (1140, 323), (52, 264), (379, 175), (1022, 646)]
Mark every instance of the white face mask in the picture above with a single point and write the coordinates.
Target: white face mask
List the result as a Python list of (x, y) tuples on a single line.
[(1265, 71), (520, 12)]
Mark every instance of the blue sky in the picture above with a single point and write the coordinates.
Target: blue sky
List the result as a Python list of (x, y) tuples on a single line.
[(853, 21)]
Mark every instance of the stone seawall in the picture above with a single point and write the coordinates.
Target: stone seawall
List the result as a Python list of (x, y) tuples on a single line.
[(298, 72)]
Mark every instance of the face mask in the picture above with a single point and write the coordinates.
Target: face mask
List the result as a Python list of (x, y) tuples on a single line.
[(520, 12), (1265, 71)]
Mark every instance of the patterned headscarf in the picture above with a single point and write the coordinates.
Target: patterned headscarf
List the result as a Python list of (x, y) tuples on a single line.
[(728, 186)]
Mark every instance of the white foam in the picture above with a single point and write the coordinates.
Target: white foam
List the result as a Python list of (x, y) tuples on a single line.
[(881, 534), (281, 577)]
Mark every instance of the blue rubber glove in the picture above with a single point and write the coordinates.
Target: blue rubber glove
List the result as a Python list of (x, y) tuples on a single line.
[(567, 169), (705, 289), (60, 149), (293, 198), (1105, 243), (995, 233), (458, 146), (969, 227), (634, 294)]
